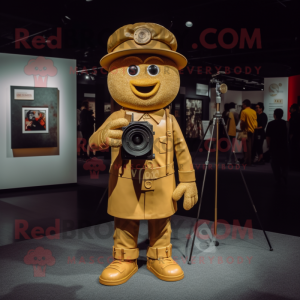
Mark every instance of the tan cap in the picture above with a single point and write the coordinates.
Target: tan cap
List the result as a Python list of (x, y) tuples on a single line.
[(142, 38)]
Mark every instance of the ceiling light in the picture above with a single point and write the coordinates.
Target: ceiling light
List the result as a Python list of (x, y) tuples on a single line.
[(87, 77), (244, 88), (188, 24), (67, 17)]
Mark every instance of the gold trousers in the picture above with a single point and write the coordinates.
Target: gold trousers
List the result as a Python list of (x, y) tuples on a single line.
[(126, 236)]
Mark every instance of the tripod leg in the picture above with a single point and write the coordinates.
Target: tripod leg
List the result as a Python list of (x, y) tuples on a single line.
[(216, 187), (201, 197), (248, 192)]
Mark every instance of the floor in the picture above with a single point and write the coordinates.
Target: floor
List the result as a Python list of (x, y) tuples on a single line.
[(241, 267), (70, 207)]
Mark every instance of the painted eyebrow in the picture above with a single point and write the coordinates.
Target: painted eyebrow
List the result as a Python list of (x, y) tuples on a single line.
[(153, 57), (132, 57)]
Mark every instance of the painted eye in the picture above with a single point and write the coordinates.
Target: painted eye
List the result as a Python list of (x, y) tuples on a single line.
[(45, 68), (153, 70), (133, 70), (36, 68)]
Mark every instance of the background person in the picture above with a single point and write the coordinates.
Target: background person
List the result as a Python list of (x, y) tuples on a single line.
[(230, 121), (248, 124), (277, 140), (259, 133), (86, 125)]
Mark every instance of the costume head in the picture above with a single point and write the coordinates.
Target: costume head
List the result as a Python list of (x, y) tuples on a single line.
[(143, 66)]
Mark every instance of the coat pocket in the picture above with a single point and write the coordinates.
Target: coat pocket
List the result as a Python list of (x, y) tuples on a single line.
[(163, 144)]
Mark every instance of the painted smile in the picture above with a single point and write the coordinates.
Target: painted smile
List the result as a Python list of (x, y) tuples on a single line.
[(144, 87)]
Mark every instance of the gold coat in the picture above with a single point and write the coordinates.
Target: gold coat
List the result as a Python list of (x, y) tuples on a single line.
[(142, 189)]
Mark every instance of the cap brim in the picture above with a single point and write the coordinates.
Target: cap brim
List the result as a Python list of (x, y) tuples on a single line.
[(179, 59)]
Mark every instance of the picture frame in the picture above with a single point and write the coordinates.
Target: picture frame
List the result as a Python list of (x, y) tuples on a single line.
[(41, 116)]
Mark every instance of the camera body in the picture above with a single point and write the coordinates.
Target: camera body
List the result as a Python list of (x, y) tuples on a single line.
[(137, 141)]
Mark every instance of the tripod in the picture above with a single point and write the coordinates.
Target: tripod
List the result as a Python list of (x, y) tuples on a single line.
[(215, 122)]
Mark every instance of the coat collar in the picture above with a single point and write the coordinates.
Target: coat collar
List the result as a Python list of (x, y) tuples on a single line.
[(155, 115)]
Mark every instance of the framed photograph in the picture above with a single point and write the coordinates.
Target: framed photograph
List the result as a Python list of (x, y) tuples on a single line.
[(34, 123), (35, 120), (193, 118)]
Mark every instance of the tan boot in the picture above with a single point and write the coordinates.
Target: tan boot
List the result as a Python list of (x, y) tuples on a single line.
[(162, 265), (121, 269)]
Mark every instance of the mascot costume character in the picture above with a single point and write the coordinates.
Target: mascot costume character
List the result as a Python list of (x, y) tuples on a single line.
[(143, 78)]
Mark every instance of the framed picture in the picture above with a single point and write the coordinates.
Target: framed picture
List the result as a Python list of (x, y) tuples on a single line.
[(193, 118), (35, 120)]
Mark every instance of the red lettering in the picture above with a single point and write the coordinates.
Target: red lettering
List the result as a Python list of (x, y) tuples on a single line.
[(227, 70), (208, 70), (247, 70), (91, 260), (235, 70), (221, 38), (73, 71), (98, 260), (227, 229), (250, 41), (202, 38), (239, 259), (201, 260), (37, 230), (102, 70), (199, 70), (21, 230), (21, 40), (211, 259), (37, 40), (95, 70), (55, 38), (218, 69), (231, 260), (242, 231), (56, 229), (81, 260), (71, 261), (227, 142), (190, 70), (257, 69)]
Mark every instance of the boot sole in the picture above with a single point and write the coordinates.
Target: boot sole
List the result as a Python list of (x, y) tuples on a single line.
[(166, 278), (120, 281)]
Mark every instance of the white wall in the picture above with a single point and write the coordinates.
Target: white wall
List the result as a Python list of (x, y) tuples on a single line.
[(26, 171)]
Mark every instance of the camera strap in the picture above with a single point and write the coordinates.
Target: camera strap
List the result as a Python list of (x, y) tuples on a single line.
[(169, 135)]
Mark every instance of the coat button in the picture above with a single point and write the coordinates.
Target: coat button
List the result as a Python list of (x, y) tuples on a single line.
[(148, 184), (149, 164)]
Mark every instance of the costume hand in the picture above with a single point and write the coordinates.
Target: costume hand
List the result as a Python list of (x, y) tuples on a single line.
[(189, 189), (112, 137)]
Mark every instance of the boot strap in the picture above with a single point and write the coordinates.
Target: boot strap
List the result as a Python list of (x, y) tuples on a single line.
[(156, 253), (125, 254)]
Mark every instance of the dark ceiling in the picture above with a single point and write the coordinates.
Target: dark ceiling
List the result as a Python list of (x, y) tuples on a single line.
[(86, 26)]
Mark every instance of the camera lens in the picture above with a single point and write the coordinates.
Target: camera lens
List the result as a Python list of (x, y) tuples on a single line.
[(137, 139)]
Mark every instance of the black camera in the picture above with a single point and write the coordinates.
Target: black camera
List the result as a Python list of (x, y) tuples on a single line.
[(137, 141)]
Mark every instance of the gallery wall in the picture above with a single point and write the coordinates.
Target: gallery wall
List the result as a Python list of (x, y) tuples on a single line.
[(41, 169)]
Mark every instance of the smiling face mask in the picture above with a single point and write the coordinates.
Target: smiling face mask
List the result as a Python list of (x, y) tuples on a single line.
[(143, 82)]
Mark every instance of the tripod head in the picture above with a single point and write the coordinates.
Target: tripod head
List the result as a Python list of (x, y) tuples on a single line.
[(221, 88)]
